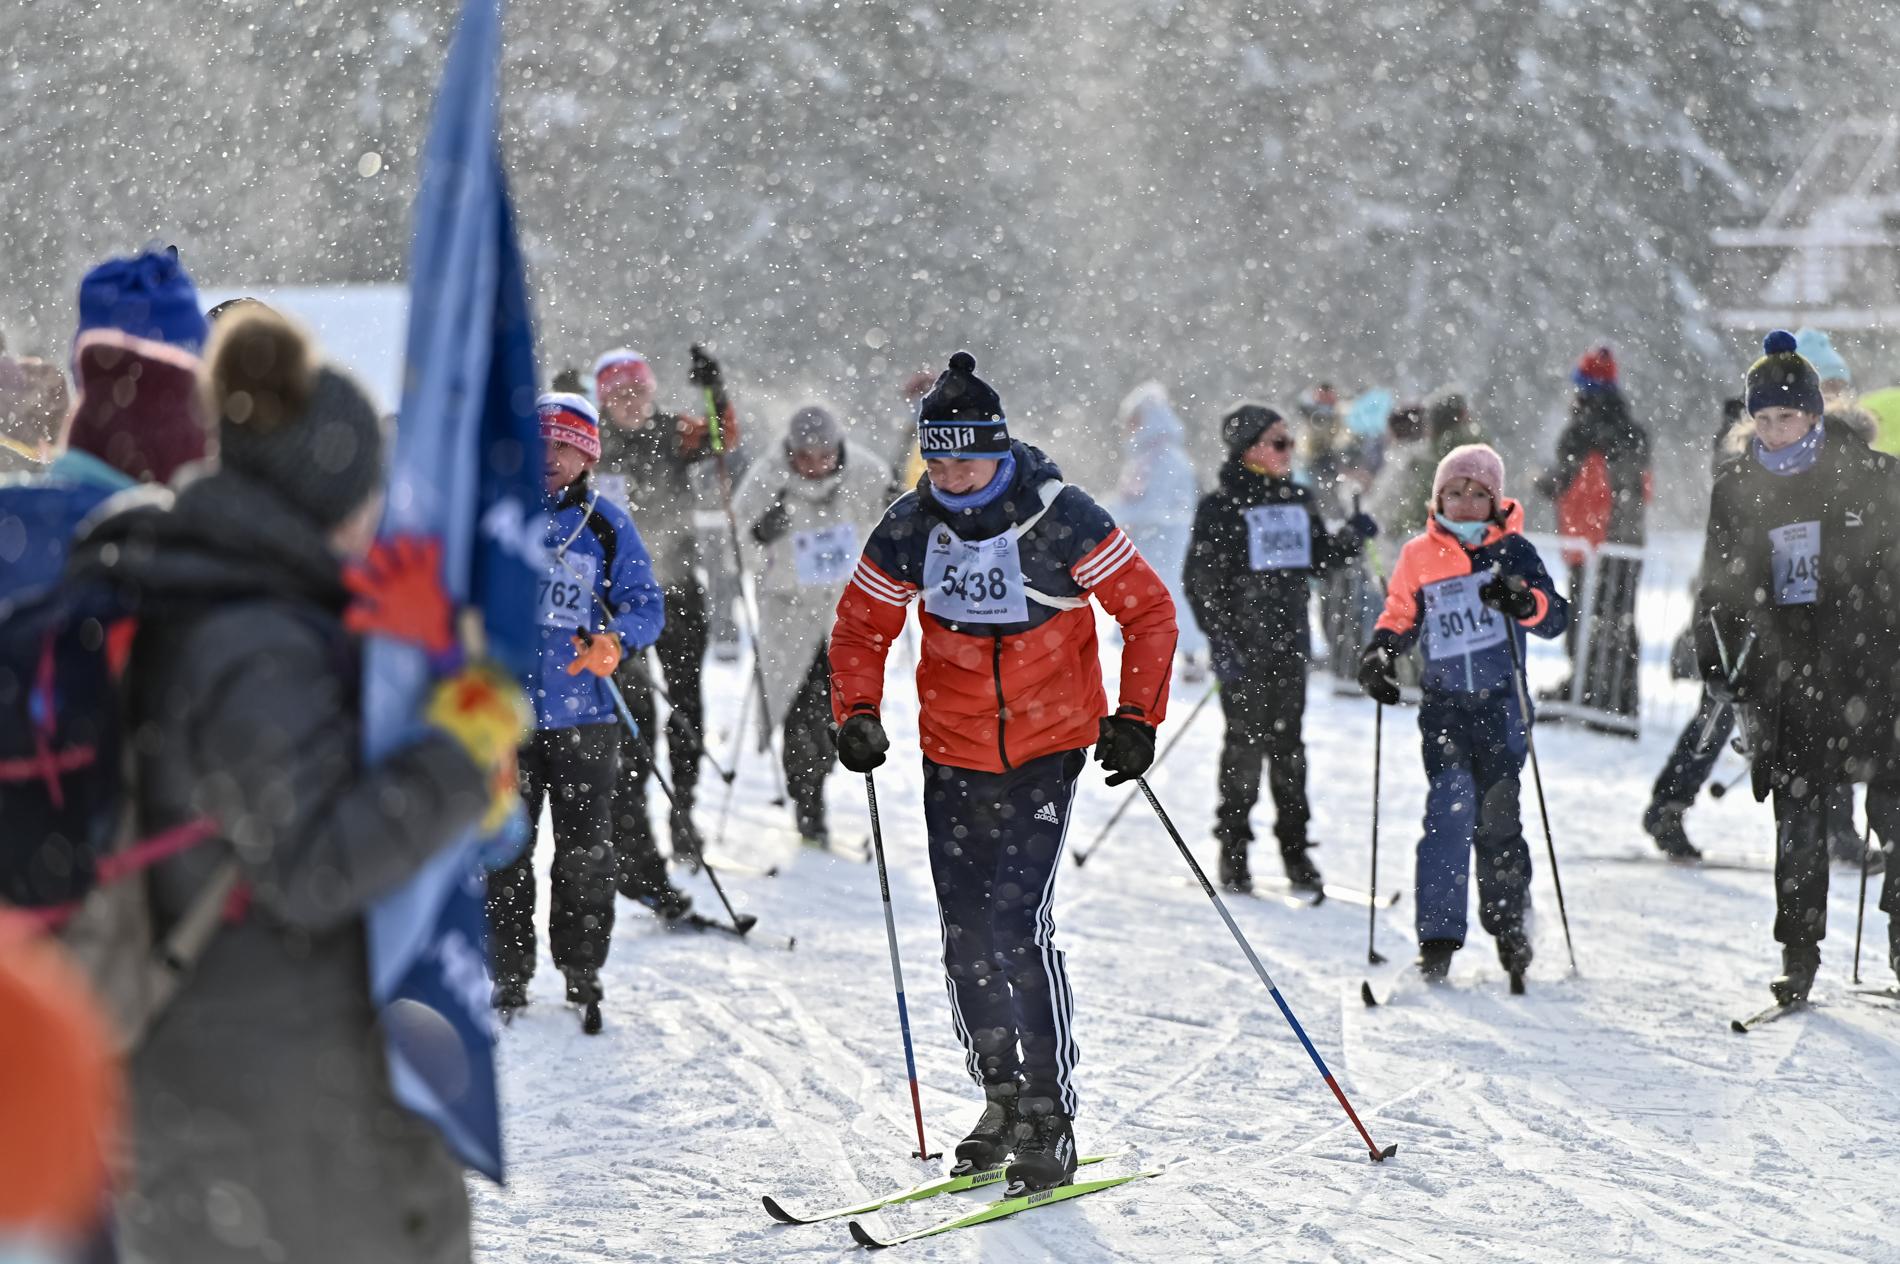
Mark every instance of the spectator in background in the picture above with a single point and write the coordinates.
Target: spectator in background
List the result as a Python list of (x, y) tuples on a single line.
[(1154, 503), (138, 418), (1601, 487), (1407, 461), (33, 402)]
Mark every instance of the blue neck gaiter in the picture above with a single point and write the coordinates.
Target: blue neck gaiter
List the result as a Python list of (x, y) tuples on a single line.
[(1004, 476), (1797, 458), (1470, 534)]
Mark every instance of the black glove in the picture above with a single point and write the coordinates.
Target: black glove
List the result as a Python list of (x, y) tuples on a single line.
[(705, 371), (773, 524), (861, 742), (1125, 746), (1376, 676), (1361, 527), (1509, 595)]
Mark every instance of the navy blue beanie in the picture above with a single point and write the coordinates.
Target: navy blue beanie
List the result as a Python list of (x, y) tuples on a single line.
[(1783, 378), (148, 296), (962, 417)]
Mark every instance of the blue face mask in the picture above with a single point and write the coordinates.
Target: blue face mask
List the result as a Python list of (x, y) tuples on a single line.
[(1470, 534)]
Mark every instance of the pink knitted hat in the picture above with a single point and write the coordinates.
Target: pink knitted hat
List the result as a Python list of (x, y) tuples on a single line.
[(1475, 461)]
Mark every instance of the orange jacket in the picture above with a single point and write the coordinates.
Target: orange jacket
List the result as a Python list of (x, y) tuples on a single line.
[(994, 696)]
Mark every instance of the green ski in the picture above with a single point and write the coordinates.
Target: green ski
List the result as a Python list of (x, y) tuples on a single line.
[(917, 1193), (998, 1210)]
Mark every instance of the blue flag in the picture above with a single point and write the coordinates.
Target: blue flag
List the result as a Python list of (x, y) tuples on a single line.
[(467, 471)]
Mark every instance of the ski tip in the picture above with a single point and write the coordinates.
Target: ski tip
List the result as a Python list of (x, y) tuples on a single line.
[(1738, 1026), (777, 1212), (1380, 1156), (864, 1239), (1365, 994)]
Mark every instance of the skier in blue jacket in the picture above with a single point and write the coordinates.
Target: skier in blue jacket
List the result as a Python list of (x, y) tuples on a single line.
[(598, 601)]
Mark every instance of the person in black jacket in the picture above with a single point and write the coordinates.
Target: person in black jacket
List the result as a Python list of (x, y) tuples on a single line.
[(1257, 542), (1798, 620)]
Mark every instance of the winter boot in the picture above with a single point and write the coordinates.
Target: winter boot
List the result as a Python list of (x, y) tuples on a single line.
[(995, 1134), (687, 844), (1799, 962), (510, 996), (1434, 959), (643, 879), (1663, 822), (1514, 954), (1045, 1157), (583, 990), (1235, 875), (1301, 872)]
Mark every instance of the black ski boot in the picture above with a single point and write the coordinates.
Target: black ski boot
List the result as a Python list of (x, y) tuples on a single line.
[(1235, 875), (688, 846), (643, 878), (1514, 954), (583, 990), (1434, 959), (994, 1136), (1799, 963), (510, 996), (1045, 1157), (1301, 872), (1663, 822)]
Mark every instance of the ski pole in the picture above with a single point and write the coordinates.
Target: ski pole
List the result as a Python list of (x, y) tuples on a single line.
[(1537, 776), (738, 749), (1721, 788), (1082, 856), (897, 968), (1373, 955), (1866, 853), (1220, 906), (716, 438), (741, 922)]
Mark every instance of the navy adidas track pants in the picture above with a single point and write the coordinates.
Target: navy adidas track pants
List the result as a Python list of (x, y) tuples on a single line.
[(995, 846)]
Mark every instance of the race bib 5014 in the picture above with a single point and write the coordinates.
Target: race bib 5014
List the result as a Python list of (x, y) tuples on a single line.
[(1457, 622)]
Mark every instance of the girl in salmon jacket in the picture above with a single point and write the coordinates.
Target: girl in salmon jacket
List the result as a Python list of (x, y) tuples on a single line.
[(1464, 585)]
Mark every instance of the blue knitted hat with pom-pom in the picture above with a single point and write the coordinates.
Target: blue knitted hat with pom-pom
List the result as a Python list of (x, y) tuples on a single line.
[(1782, 378)]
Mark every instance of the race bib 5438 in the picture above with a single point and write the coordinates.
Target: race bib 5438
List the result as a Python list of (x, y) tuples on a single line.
[(974, 581)]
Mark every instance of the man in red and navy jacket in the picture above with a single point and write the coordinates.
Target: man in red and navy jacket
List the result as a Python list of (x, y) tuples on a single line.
[(1003, 556)]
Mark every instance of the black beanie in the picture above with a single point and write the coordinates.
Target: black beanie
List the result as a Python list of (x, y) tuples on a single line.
[(1783, 378), (1242, 428), (303, 429), (962, 417)]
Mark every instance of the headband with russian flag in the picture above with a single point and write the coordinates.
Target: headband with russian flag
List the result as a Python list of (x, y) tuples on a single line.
[(570, 419)]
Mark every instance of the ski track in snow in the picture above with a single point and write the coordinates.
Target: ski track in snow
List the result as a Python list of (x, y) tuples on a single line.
[(1608, 1115)]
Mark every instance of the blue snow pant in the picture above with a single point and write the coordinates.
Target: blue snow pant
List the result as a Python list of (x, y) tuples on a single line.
[(995, 846), (1474, 752)]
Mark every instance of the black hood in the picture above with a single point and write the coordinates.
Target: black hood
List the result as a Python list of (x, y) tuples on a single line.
[(223, 537)]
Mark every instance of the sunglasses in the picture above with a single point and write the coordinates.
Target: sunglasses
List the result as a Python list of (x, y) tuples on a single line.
[(1280, 445)]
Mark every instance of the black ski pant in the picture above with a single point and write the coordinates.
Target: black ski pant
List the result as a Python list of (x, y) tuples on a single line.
[(682, 653), (810, 750), (574, 768), (1264, 715), (1691, 760), (995, 849), (1803, 816)]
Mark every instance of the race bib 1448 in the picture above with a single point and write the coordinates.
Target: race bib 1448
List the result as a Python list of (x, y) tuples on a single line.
[(974, 581), (1279, 538), (1796, 553), (1456, 621)]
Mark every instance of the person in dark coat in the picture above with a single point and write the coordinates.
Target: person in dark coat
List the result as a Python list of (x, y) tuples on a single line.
[(1257, 542), (264, 1124), (1798, 621)]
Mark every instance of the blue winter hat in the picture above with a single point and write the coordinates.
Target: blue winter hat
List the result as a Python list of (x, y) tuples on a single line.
[(1783, 378), (962, 417), (147, 296), (1818, 349)]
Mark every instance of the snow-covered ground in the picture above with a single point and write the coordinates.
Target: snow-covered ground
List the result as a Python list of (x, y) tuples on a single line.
[(1609, 1114)]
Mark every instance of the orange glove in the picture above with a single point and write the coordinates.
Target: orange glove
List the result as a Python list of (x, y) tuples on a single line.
[(398, 590), (598, 653)]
